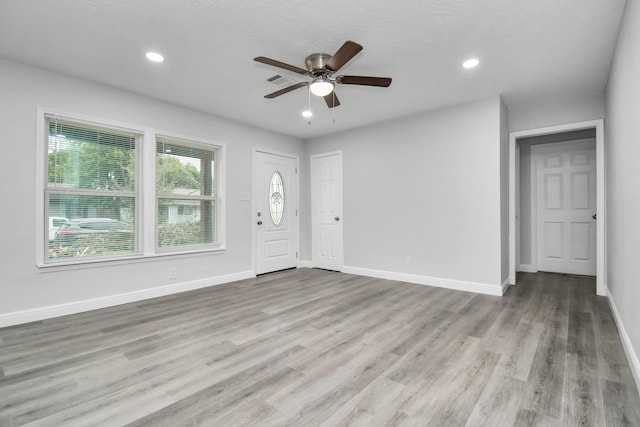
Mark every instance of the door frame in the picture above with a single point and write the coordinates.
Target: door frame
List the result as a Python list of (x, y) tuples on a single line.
[(514, 193), (254, 207)]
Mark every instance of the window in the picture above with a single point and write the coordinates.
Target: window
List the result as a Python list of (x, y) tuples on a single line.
[(96, 204), (186, 194), (90, 192)]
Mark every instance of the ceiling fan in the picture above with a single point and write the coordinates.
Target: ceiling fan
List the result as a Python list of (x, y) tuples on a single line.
[(321, 67)]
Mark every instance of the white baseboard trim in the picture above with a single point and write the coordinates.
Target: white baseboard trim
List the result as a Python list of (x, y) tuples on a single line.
[(458, 285), (42, 313), (527, 268), (634, 362), (505, 285), (305, 264)]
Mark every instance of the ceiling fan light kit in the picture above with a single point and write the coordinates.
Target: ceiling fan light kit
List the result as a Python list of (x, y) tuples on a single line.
[(321, 67), (321, 87)]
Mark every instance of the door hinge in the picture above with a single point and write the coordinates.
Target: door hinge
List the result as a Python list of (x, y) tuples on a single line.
[(296, 212), (296, 171), (296, 255)]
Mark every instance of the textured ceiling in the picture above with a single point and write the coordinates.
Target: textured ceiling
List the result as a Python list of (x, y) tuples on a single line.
[(531, 51)]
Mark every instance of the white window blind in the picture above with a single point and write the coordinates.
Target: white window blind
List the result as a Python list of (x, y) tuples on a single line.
[(186, 195), (90, 192)]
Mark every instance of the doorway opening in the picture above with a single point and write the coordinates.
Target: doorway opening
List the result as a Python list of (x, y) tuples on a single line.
[(523, 222)]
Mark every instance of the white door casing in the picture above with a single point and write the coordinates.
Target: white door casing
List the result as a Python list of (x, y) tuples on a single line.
[(565, 200), (598, 126), (276, 211), (326, 211)]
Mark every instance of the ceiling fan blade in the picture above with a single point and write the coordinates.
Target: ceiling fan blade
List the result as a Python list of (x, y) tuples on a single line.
[(285, 90), (347, 51), (364, 80), (279, 64), (332, 99)]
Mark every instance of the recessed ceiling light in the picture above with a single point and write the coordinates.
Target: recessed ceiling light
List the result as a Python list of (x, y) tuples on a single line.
[(307, 113), (470, 63), (155, 57)]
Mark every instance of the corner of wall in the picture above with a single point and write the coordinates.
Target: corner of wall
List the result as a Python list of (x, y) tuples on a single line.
[(634, 362), (504, 192)]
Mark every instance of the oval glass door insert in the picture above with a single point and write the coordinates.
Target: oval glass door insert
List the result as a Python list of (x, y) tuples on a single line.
[(276, 198)]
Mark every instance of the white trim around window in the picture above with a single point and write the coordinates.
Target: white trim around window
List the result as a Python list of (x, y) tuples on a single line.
[(145, 240)]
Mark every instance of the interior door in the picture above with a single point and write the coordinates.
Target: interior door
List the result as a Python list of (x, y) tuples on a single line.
[(326, 211), (566, 207), (276, 217)]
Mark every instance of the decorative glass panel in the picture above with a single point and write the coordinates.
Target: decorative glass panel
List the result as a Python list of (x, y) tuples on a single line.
[(276, 198)]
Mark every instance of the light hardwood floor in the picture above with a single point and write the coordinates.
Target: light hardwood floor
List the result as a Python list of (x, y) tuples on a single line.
[(310, 347)]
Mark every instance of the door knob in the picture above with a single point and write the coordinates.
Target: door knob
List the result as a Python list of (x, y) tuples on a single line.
[(337, 218), (259, 222), (594, 216)]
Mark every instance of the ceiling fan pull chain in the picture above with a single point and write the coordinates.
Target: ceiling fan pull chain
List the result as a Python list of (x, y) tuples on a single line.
[(333, 110), (309, 101)]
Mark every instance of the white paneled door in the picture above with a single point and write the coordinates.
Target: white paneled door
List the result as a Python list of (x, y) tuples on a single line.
[(326, 210), (566, 207), (276, 216)]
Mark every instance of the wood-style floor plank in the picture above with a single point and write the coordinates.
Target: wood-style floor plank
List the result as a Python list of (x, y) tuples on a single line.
[(311, 347)]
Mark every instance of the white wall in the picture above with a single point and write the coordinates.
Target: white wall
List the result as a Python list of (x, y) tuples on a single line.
[(558, 112), (22, 286), (622, 145), (426, 186)]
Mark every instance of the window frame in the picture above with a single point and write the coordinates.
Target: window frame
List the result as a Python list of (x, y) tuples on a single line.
[(145, 193), (218, 192)]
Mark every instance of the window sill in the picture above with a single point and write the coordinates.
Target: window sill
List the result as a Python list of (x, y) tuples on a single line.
[(75, 264)]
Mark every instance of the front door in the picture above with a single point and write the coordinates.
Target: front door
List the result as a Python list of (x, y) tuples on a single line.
[(326, 211), (276, 216), (566, 207)]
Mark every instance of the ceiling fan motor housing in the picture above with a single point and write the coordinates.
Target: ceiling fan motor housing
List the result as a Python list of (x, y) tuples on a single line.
[(316, 62)]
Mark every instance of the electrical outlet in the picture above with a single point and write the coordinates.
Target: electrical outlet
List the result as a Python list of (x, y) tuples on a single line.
[(407, 260), (173, 273)]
